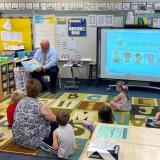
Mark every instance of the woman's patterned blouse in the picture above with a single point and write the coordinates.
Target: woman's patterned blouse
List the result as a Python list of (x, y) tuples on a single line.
[(29, 127)]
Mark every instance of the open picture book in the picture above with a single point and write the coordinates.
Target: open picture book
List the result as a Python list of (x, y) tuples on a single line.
[(31, 65)]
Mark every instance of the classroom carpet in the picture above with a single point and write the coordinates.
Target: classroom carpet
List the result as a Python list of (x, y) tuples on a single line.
[(82, 106)]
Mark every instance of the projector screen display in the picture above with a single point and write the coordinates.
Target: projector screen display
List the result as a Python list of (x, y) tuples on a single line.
[(131, 54)]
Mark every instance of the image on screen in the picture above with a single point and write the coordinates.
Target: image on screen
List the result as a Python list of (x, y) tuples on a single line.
[(131, 54)]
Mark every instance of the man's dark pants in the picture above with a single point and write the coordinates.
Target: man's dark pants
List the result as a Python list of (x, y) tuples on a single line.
[(52, 73)]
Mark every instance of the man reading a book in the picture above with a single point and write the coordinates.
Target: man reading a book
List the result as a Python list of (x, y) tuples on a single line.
[(48, 58)]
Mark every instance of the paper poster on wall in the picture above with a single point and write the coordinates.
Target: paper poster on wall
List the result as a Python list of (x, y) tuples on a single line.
[(110, 6), (66, 47), (101, 20), (95, 6), (12, 47), (43, 6), (118, 6), (85, 45), (72, 45), (50, 6), (105, 20), (149, 6), (92, 20), (118, 21), (36, 6), (61, 6), (157, 6), (14, 35), (75, 6), (156, 23), (61, 20), (142, 6), (134, 6), (28, 5), (126, 6), (8, 6), (79, 7), (71, 6), (44, 28), (22, 5), (11, 36), (2, 6), (130, 18), (14, 6), (102, 6), (87, 6), (109, 20), (61, 31), (61, 41), (77, 27), (7, 25)]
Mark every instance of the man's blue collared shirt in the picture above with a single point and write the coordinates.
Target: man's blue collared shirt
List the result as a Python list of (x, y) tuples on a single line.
[(51, 58)]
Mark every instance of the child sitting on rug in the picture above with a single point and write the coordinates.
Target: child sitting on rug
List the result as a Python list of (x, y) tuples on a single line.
[(105, 115), (153, 122), (121, 102), (16, 96), (63, 136)]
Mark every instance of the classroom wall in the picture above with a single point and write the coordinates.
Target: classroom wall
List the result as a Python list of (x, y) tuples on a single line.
[(85, 46), (79, 0), (91, 31), (80, 72)]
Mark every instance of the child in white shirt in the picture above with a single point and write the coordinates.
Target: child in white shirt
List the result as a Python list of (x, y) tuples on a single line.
[(63, 136), (121, 102)]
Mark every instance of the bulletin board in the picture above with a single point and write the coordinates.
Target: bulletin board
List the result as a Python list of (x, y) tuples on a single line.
[(21, 25), (77, 27), (69, 46)]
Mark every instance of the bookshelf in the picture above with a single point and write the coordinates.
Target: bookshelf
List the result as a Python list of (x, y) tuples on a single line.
[(7, 82)]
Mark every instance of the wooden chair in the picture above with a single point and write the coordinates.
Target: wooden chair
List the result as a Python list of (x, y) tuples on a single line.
[(46, 78)]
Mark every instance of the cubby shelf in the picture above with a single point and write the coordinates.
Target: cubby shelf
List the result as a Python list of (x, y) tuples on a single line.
[(6, 89)]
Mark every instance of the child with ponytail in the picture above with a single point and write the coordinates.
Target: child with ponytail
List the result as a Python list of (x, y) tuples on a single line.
[(121, 102)]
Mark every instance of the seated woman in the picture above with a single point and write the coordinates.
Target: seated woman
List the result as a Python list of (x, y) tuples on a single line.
[(32, 119)]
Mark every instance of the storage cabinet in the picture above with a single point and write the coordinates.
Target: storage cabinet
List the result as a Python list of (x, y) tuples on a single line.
[(7, 83)]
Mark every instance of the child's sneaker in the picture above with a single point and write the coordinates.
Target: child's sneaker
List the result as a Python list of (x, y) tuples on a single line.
[(151, 122), (47, 148)]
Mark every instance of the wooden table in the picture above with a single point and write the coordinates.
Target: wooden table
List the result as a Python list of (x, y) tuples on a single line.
[(142, 144)]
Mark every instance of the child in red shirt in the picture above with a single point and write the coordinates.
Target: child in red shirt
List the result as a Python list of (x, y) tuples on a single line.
[(16, 96)]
